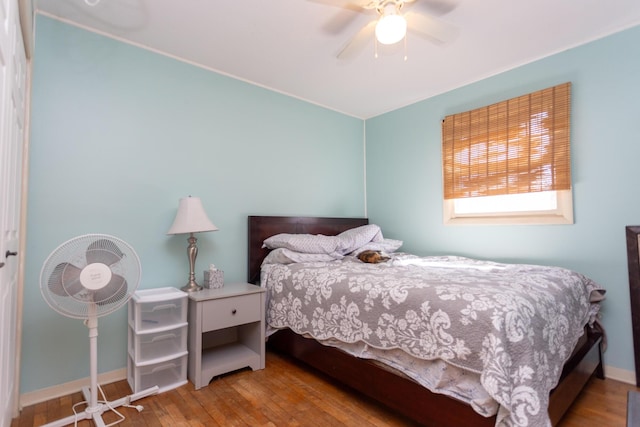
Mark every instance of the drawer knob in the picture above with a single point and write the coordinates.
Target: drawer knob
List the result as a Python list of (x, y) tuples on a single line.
[(234, 311)]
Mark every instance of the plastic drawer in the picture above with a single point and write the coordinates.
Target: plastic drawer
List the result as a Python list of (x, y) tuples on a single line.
[(157, 344), (167, 374), (157, 308)]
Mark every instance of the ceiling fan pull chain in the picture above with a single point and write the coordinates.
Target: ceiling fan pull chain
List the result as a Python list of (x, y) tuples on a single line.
[(375, 48), (405, 48)]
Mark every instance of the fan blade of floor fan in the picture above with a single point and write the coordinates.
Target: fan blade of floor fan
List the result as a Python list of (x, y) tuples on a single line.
[(103, 251), (430, 28), (113, 291), (358, 42), (64, 281)]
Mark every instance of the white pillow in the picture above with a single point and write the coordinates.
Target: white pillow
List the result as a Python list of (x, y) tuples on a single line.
[(354, 238), (306, 243), (286, 256), (385, 246)]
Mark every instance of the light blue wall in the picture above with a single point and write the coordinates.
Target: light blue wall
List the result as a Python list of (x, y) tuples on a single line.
[(404, 174), (119, 134)]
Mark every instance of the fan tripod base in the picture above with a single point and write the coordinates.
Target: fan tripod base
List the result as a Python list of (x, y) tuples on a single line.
[(95, 412)]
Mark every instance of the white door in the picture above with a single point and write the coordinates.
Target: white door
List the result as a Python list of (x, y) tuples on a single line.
[(12, 115)]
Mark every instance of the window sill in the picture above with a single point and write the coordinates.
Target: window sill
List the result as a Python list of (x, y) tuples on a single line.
[(562, 215)]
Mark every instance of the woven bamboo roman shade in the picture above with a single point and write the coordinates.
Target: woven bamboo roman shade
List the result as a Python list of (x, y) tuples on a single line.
[(516, 146)]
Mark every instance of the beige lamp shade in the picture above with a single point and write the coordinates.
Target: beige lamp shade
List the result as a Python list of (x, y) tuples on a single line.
[(191, 217)]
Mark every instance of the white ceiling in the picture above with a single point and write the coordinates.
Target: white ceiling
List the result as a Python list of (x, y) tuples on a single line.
[(290, 46)]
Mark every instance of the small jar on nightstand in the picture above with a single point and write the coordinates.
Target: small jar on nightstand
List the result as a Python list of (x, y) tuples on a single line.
[(226, 331)]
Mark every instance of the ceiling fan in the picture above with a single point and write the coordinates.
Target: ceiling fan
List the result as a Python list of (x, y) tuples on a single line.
[(393, 19)]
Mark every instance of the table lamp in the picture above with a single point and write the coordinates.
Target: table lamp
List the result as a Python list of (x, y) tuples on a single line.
[(191, 218)]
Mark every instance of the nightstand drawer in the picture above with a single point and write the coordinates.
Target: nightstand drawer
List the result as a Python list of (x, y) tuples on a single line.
[(226, 312)]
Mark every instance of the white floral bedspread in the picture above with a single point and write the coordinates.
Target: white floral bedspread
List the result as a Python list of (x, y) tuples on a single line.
[(515, 325)]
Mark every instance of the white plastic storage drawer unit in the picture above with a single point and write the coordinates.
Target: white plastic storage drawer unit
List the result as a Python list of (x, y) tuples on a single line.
[(167, 373), (157, 308), (157, 343), (157, 347)]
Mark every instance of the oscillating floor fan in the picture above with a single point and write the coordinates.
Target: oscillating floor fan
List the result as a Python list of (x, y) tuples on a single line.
[(85, 278)]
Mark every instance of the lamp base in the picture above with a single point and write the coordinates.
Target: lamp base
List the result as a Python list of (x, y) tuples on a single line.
[(192, 286), (192, 253)]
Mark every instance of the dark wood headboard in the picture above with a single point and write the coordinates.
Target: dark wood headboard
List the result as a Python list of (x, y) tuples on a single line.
[(262, 227)]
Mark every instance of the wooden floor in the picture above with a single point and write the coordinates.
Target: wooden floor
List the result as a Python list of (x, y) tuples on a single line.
[(287, 394)]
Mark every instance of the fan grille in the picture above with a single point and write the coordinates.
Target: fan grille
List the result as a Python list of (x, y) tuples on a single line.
[(60, 276)]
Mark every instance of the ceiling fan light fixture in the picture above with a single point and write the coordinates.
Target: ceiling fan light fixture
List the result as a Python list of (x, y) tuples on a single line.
[(390, 29)]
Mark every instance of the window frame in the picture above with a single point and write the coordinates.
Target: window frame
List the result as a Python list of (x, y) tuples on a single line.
[(562, 214)]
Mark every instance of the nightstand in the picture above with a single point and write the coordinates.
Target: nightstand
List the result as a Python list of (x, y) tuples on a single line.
[(226, 331)]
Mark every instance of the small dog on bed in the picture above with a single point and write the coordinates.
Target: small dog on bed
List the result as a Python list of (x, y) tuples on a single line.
[(372, 257)]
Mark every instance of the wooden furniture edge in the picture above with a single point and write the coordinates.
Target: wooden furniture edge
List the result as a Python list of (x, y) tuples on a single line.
[(633, 264)]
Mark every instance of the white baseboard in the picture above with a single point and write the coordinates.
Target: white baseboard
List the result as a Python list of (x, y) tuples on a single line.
[(42, 395), (621, 375)]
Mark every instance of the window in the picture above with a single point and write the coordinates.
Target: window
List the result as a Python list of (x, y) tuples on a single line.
[(550, 207), (510, 162)]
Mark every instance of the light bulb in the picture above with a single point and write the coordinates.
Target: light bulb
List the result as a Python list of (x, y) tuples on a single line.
[(391, 29)]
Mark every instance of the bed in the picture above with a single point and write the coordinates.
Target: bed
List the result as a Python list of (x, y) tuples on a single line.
[(391, 386)]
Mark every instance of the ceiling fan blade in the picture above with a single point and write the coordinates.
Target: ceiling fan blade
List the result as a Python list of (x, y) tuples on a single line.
[(112, 291), (103, 251), (358, 42), (355, 5), (431, 28), (435, 7), (345, 16), (340, 20), (65, 280)]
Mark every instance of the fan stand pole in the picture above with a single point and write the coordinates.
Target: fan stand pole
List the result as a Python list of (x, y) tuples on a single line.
[(94, 410)]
